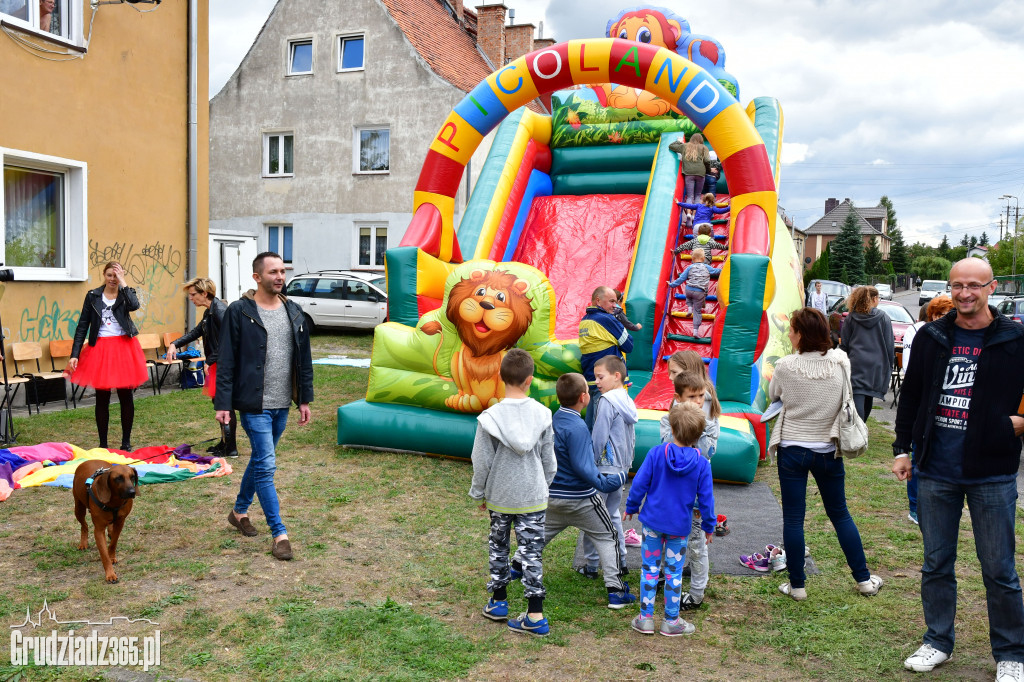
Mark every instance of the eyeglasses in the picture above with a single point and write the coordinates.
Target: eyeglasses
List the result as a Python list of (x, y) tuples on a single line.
[(973, 287)]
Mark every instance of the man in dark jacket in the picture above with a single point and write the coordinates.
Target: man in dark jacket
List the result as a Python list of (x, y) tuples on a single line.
[(600, 335), (264, 362), (960, 406)]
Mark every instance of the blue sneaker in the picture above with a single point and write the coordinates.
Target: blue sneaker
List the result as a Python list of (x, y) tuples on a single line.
[(496, 610), (515, 573), (617, 600), (523, 624)]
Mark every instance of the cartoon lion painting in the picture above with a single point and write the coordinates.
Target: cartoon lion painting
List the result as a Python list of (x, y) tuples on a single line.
[(490, 312)]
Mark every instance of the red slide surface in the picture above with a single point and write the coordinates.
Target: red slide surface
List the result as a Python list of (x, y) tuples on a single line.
[(580, 243)]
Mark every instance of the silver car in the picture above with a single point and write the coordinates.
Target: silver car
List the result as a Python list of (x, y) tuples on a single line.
[(884, 291), (340, 298)]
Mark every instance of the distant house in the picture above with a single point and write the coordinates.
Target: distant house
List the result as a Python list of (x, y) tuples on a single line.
[(873, 221), (979, 251), (318, 138)]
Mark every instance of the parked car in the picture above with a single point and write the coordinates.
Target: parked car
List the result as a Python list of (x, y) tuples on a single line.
[(1012, 308), (995, 299), (340, 298), (899, 316), (834, 291), (884, 291), (930, 288)]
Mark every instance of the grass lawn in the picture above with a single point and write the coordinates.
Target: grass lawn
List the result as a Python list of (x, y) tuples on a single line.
[(388, 579)]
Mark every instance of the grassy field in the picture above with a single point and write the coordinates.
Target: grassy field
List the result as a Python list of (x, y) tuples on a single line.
[(388, 579)]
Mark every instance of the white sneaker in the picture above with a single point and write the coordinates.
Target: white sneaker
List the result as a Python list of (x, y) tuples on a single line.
[(1009, 671), (870, 587), (926, 659)]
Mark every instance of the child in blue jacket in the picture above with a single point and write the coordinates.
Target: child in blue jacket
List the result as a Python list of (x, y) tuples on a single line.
[(704, 212), (671, 478)]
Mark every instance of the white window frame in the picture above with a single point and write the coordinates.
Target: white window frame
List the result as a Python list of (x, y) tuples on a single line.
[(71, 10), (356, 149), (373, 226), (280, 134), (296, 40), (340, 42), (76, 222)]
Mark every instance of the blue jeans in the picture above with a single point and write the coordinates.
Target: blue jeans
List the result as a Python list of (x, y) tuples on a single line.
[(591, 415), (264, 430), (827, 469), (912, 484), (993, 510)]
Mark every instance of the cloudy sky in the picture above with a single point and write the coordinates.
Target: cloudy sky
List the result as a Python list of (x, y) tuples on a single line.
[(915, 100)]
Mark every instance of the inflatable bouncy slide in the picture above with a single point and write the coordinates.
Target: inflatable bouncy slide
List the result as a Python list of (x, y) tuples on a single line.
[(586, 196)]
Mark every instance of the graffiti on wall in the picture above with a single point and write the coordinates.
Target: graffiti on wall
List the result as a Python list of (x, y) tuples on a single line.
[(48, 322), (152, 269)]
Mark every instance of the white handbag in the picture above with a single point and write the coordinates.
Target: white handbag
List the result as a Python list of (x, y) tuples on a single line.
[(853, 432)]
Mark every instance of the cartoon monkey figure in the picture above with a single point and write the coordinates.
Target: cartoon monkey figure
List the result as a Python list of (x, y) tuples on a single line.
[(490, 312)]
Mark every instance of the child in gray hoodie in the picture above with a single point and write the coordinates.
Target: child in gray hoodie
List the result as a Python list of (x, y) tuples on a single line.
[(614, 437), (513, 465)]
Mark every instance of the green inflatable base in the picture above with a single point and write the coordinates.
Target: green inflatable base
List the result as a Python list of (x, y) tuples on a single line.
[(390, 426)]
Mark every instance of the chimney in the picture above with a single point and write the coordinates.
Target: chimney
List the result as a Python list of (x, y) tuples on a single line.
[(830, 205), (490, 32), (518, 40), (459, 16)]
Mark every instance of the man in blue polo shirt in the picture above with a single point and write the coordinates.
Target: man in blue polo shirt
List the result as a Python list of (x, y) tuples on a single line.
[(600, 335)]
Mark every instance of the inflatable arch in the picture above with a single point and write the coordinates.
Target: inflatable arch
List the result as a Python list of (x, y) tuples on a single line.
[(416, 398)]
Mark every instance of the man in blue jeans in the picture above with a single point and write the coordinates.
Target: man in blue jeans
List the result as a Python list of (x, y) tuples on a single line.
[(264, 363), (960, 407)]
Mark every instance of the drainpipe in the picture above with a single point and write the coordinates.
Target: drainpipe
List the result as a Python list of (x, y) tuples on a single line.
[(193, 152)]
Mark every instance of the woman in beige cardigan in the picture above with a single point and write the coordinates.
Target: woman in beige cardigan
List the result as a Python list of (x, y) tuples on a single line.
[(811, 383)]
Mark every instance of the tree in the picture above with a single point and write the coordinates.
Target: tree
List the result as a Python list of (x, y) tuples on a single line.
[(965, 241), (973, 243), (983, 241), (890, 213), (819, 270), (898, 251), (873, 258), (957, 253), (944, 250), (931, 267), (919, 249), (847, 259)]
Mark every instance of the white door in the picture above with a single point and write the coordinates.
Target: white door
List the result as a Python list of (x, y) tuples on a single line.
[(230, 271), (230, 264)]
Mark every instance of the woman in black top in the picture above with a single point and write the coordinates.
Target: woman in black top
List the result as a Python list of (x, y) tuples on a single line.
[(113, 359), (202, 291)]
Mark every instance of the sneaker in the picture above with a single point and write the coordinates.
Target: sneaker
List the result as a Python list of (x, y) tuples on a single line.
[(795, 593), (515, 573), (913, 518), (926, 659), (722, 526), (496, 610), (674, 628), (645, 626), (777, 558), (688, 602), (870, 587), (756, 562), (523, 624), (617, 600), (632, 538), (216, 450), (1009, 671), (588, 572)]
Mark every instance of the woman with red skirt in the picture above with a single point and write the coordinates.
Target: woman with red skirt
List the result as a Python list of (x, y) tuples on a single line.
[(202, 291), (113, 359)]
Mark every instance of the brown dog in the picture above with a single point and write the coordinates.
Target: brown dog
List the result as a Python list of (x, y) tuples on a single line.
[(107, 492)]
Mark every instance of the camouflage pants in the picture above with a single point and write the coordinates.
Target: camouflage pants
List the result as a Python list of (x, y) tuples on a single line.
[(530, 538)]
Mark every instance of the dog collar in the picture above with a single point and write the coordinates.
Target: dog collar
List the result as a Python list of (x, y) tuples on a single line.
[(92, 496)]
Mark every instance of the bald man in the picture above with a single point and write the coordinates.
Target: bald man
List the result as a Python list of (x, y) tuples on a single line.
[(959, 405)]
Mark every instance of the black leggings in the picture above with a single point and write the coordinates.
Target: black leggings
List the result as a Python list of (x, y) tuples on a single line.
[(863, 404), (125, 396)]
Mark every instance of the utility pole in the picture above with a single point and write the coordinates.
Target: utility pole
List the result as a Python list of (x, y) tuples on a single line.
[(1016, 200)]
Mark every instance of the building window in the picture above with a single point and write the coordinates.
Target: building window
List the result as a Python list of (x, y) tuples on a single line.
[(278, 154), (373, 145), (56, 18), (300, 57), (44, 228), (279, 240), (350, 53), (373, 242)]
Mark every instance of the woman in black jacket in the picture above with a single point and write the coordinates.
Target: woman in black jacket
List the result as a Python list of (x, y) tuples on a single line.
[(868, 341), (113, 359), (202, 291)]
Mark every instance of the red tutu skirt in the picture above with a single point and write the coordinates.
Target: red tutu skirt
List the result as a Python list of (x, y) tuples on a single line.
[(210, 387), (114, 362)]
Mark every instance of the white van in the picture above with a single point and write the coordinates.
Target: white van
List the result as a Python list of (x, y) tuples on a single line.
[(930, 288)]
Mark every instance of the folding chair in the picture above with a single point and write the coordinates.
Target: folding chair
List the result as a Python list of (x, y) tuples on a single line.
[(61, 350), (28, 351), (151, 343), (10, 389), (169, 338)]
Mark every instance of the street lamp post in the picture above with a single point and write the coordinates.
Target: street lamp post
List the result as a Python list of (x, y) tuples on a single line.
[(1015, 221)]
